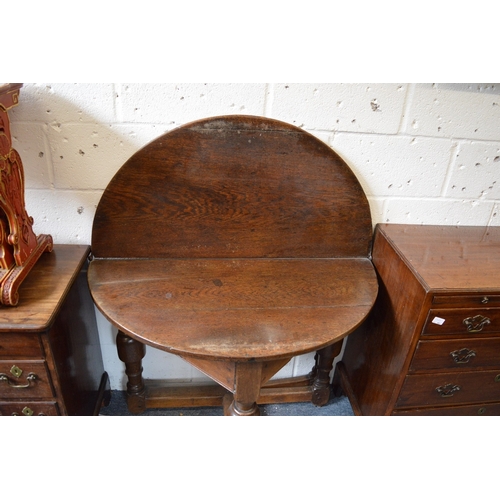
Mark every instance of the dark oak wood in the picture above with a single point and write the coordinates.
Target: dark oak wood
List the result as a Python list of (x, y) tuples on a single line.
[(234, 186), (237, 243), (131, 352), (324, 362), (52, 334), (416, 353), (256, 307)]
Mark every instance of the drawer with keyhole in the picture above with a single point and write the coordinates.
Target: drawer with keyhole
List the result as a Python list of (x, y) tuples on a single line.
[(15, 346), (24, 379), (29, 409), (462, 321)]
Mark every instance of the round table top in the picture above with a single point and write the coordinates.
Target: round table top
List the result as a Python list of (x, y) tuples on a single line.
[(234, 309), (234, 238)]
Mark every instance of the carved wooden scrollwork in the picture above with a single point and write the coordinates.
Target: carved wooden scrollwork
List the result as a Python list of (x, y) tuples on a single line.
[(20, 248)]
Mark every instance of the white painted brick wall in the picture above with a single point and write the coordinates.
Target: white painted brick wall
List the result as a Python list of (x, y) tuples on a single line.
[(370, 107), (424, 153)]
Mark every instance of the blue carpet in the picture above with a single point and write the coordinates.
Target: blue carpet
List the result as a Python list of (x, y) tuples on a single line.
[(335, 407)]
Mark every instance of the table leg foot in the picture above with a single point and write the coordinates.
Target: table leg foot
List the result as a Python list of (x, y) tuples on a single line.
[(324, 364), (131, 353), (233, 409)]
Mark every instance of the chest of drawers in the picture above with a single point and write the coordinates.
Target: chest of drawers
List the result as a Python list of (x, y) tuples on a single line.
[(431, 345), (50, 355)]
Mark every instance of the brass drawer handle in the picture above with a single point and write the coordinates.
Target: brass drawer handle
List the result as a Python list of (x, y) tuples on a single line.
[(462, 356), (476, 323), (30, 378), (448, 390)]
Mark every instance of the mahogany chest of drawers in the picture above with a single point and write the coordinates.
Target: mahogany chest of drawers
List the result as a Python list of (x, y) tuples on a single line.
[(50, 355), (431, 345)]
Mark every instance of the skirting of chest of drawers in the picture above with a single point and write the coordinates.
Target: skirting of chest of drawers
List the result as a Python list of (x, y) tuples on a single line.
[(485, 410)]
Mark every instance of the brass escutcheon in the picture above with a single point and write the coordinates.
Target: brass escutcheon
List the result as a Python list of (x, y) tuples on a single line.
[(16, 371), (497, 378), (481, 411), (27, 411)]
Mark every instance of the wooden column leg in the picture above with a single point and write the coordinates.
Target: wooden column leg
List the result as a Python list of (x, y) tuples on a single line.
[(248, 379), (324, 365), (314, 370), (131, 353)]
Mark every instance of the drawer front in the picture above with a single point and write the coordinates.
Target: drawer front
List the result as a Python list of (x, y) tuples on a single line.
[(477, 300), (487, 410), (19, 346), (24, 379), (462, 321), (464, 354), (28, 409), (444, 389)]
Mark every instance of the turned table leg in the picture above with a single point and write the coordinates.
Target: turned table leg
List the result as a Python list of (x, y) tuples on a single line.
[(324, 363), (248, 380), (131, 353)]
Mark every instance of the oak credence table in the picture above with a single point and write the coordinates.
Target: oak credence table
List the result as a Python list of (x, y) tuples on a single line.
[(236, 243)]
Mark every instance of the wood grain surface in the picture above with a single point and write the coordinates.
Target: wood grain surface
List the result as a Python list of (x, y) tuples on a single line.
[(235, 308), (450, 257), (44, 290), (233, 187)]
